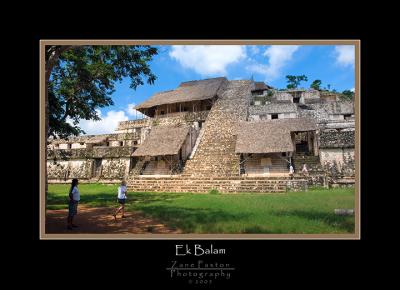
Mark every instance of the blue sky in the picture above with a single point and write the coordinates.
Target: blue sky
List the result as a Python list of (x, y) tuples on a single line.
[(333, 65)]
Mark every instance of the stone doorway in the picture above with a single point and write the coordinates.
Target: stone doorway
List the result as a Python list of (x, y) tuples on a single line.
[(97, 167), (304, 142)]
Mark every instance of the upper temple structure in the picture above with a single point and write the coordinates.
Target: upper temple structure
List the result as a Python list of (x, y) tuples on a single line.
[(233, 136)]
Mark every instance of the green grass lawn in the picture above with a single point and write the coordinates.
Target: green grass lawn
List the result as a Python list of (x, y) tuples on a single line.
[(310, 212)]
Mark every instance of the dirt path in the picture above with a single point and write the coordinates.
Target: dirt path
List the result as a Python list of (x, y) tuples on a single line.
[(99, 220)]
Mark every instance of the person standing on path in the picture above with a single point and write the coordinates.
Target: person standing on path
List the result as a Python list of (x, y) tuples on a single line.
[(121, 199), (74, 197), (291, 171)]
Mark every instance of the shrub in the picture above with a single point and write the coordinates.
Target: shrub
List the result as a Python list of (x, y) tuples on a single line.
[(213, 191)]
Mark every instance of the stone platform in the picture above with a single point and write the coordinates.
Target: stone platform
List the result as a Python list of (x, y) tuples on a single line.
[(222, 184)]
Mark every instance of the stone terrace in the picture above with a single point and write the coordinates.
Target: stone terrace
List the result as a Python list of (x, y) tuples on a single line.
[(222, 184)]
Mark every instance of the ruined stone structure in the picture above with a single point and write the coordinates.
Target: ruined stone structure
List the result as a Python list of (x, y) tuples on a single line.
[(233, 136)]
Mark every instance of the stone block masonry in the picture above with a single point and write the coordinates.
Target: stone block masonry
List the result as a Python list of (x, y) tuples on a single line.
[(222, 184)]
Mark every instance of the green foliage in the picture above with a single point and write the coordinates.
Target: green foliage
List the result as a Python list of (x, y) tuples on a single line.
[(294, 81), (156, 122), (316, 85), (83, 79), (213, 191), (347, 95)]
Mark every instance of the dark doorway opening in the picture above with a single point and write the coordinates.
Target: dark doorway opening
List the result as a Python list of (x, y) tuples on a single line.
[(132, 163), (97, 167)]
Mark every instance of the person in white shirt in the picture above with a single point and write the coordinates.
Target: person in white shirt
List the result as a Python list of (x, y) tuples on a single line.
[(304, 170), (74, 197), (291, 171), (121, 199)]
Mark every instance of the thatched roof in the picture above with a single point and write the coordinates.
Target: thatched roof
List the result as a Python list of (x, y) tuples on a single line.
[(296, 124), (163, 140), (260, 86), (186, 92), (260, 138), (270, 136)]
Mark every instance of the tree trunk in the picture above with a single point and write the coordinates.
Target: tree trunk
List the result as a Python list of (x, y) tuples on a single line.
[(52, 59), (46, 122)]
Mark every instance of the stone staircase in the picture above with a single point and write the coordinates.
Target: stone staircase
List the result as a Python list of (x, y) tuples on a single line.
[(215, 155), (196, 144), (312, 162), (137, 170), (152, 169), (222, 184)]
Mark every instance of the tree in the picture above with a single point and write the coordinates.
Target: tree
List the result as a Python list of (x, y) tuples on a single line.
[(294, 81), (348, 95), (80, 79), (316, 85)]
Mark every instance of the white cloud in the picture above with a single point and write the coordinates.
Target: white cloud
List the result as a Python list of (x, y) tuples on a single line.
[(278, 56), (353, 90), (132, 112), (106, 125), (207, 59), (254, 49), (345, 55)]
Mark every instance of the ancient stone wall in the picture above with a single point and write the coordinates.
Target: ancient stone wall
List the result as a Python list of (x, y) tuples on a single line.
[(326, 112), (111, 168), (57, 170), (86, 153), (265, 164), (133, 124), (181, 118), (273, 108), (78, 145), (283, 96), (115, 168), (338, 162), (223, 185), (337, 139), (310, 94), (69, 169), (337, 153)]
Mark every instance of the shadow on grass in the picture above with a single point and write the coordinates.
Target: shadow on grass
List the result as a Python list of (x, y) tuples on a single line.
[(344, 223), (192, 220), (144, 198), (102, 196), (88, 198)]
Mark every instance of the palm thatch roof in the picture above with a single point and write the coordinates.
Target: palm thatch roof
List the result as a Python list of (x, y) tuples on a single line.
[(186, 92), (163, 140), (296, 124), (260, 86), (270, 136), (256, 137)]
